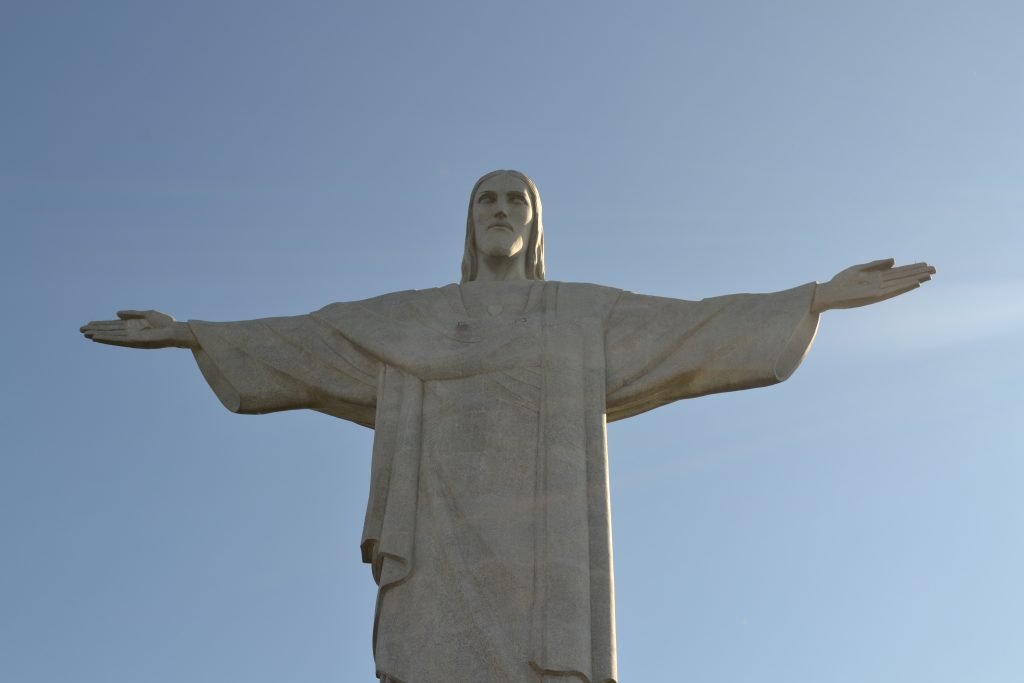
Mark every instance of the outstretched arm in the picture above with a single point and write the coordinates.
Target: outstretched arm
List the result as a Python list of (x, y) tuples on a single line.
[(141, 330), (869, 283), (261, 366)]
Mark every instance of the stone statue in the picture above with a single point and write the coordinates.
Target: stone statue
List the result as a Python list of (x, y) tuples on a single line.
[(488, 523)]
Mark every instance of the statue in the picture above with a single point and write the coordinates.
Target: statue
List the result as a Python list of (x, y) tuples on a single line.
[(488, 522)]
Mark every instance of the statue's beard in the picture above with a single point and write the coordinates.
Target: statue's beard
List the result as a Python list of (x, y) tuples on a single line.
[(500, 244)]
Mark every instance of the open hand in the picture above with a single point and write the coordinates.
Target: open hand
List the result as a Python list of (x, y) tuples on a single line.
[(869, 283), (140, 330)]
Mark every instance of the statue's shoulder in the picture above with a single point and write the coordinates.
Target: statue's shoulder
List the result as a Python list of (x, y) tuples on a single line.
[(586, 298), (579, 299), (392, 305)]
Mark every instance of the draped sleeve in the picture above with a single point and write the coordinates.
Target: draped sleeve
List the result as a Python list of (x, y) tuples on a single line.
[(659, 350), (273, 364)]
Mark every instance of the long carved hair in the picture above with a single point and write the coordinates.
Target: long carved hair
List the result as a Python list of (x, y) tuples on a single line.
[(534, 247)]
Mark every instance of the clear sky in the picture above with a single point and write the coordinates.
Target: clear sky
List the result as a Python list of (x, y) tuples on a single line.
[(231, 160)]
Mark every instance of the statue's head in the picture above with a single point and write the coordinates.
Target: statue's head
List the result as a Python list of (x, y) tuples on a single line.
[(504, 221)]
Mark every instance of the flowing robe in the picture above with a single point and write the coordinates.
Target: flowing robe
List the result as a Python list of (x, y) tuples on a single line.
[(488, 526)]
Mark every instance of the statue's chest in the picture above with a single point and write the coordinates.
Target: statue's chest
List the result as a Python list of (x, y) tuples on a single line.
[(495, 303), (453, 334), (492, 344)]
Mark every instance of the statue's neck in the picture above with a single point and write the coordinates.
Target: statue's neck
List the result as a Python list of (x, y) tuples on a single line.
[(497, 268), (494, 297)]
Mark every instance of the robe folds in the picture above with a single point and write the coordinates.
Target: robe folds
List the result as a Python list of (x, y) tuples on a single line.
[(488, 528)]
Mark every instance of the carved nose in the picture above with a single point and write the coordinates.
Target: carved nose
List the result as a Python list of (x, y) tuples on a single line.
[(500, 213)]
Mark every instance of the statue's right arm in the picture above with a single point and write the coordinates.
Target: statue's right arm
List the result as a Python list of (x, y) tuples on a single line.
[(141, 330)]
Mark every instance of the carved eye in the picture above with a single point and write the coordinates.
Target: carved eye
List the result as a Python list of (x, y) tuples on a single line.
[(485, 198), (518, 199)]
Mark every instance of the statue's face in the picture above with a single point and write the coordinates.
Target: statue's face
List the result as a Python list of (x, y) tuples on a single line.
[(502, 214)]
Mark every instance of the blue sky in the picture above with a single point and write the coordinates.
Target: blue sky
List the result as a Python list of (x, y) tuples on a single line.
[(229, 160)]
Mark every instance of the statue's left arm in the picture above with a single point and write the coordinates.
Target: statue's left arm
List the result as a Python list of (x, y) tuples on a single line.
[(659, 350)]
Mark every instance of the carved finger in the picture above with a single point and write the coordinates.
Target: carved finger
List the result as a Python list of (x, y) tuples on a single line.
[(912, 269), (100, 336), (906, 280), (881, 264), (115, 342), (105, 325), (900, 270), (94, 331), (910, 277), (890, 292)]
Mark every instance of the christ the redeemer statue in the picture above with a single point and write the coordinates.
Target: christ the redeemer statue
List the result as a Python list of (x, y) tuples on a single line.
[(488, 523)]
